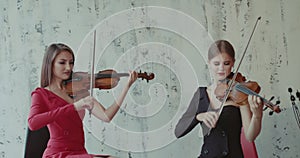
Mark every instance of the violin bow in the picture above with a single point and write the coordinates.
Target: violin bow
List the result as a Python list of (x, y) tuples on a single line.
[(92, 79), (235, 74)]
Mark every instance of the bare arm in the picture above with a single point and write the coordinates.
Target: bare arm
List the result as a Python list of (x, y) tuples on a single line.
[(98, 109), (252, 117)]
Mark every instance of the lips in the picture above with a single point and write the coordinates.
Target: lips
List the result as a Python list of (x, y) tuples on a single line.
[(221, 73), (67, 73)]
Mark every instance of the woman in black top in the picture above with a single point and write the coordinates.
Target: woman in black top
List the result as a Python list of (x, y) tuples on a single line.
[(223, 139)]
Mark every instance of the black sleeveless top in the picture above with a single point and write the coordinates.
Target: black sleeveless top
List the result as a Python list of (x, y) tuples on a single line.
[(223, 141)]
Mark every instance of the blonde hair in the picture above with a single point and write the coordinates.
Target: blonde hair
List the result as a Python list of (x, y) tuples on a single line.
[(221, 46)]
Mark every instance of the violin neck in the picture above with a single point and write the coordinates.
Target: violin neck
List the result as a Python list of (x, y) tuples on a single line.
[(114, 75), (248, 91)]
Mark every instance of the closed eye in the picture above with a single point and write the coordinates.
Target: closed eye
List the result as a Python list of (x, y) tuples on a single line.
[(227, 63)]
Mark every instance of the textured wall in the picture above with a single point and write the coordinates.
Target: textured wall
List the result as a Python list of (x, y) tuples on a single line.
[(169, 38)]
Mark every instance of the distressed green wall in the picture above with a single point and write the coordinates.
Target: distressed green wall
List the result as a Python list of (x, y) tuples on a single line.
[(169, 38)]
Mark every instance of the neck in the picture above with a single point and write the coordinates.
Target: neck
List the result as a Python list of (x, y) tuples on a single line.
[(214, 84), (56, 85), (212, 87)]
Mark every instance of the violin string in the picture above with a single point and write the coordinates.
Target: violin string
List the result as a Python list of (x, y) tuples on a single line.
[(295, 108), (99, 75), (297, 115), (266, 102), (248, 91)]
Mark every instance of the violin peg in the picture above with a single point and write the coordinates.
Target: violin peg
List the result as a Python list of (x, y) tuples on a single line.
[(290, 90), (271, 113), (298, 95), (293, 98), (271, 98)]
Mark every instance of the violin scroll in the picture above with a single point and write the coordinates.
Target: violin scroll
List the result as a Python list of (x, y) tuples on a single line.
[(146, 76)]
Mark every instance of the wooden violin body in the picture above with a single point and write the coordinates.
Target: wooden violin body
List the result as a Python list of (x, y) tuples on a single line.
[(240, 91), (106, 79)]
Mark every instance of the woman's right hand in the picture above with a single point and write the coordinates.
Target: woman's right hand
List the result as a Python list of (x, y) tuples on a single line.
[(210, 118), (84, 103)]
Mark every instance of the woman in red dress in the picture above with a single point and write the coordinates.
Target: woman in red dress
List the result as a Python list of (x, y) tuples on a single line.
[(52, 107)]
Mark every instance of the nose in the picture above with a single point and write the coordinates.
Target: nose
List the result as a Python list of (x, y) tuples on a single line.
[(221, 67), (68, 66)]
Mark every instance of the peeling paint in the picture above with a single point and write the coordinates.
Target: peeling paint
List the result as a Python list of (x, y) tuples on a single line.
[(29, 26)]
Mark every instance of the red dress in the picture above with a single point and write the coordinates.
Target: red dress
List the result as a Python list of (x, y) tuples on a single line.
[(64, 124)]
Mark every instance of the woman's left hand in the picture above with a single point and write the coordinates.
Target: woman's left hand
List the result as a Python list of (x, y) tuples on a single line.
[(256, 106), (132, 77)]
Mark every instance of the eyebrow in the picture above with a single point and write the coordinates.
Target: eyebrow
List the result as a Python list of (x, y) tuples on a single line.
[(65, 59), (220, 61)]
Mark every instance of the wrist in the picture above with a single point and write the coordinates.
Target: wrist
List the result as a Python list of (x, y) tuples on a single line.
[(256, 117), (78, 105)]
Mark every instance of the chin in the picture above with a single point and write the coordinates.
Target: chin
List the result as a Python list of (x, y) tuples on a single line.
[(221, 77), (66, 77)]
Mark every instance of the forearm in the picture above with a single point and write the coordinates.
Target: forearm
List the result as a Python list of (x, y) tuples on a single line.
[(251, 123), (254, 128), (41, 113), (108, 114), (37, 120), (111, 111)]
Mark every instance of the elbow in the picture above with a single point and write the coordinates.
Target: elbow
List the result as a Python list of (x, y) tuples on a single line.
[(250, 139), (31, 126), (177, 133), (34, 123), (106, 119)]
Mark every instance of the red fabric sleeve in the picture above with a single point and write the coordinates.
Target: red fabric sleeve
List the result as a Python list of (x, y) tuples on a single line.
[(40, 116)]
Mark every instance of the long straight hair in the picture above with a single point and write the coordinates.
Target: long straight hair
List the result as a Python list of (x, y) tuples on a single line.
[(52, 51)]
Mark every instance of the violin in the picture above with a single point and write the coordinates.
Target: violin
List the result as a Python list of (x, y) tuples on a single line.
[(240, 91), (107, 79)]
